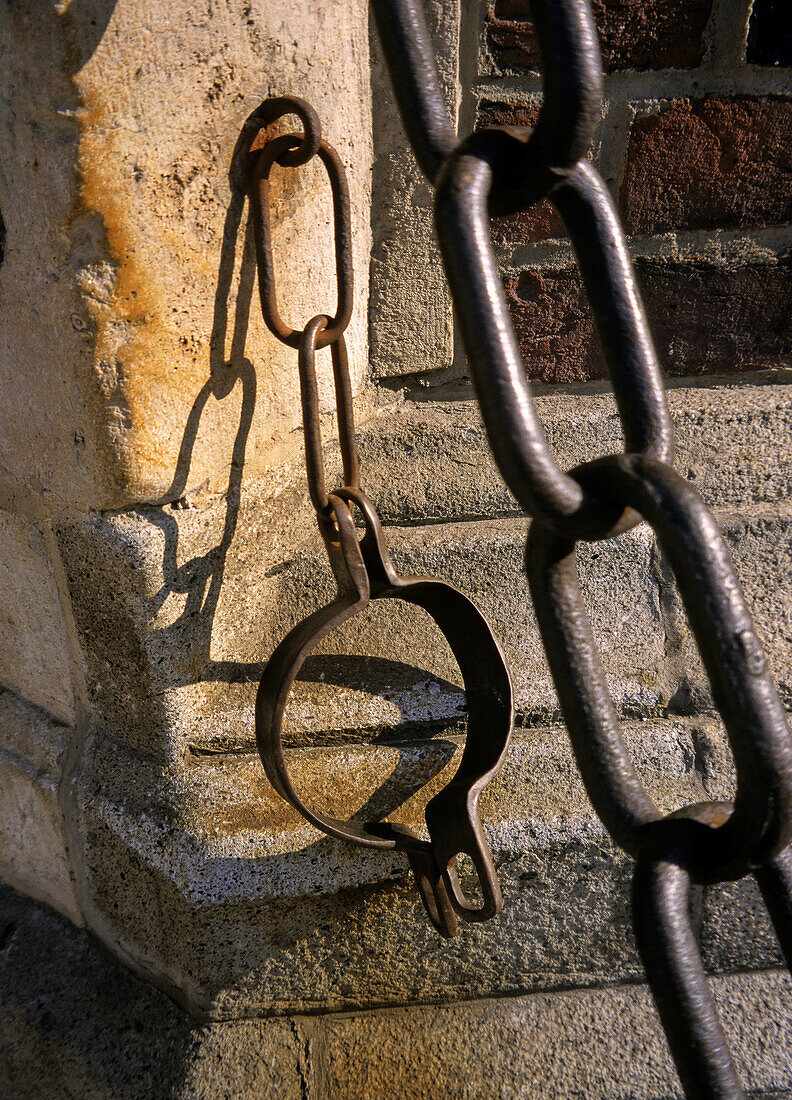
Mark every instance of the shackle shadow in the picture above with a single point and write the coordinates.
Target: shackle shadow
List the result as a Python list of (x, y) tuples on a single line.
[(201, 577)]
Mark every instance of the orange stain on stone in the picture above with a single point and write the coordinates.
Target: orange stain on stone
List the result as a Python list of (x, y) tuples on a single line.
[(147, 385)]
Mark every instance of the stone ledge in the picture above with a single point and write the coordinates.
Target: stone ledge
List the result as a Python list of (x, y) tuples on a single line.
[(74, 1022), (209, 884), (429, 461), (176, 624), (598, 1043)]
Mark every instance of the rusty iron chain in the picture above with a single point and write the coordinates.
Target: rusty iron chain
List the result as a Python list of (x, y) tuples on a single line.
[(505, 170), (364, 571)]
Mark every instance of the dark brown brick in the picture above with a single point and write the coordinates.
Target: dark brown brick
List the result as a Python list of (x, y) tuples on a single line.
[(541, 222), (705, 319), (770, 33), (634, 34), (709, 163)]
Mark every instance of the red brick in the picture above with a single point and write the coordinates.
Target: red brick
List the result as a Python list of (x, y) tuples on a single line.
[(710, 163), (634, 34), (705, 319), (542, 221)]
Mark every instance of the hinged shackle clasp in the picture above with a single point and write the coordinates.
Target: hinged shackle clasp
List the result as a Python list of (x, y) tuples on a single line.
[(364, 571)]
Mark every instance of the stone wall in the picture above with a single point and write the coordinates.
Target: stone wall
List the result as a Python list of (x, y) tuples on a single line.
[(157, 542)]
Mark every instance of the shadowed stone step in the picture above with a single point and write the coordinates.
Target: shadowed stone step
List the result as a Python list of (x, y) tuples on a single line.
[(76, 1023), (209, 878)]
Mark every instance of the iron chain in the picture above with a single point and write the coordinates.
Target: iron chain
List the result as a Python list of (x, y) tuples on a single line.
[(364, 571), (506, 170)]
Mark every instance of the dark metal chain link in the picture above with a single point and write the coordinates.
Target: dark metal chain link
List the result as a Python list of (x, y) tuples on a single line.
[(507, 170)]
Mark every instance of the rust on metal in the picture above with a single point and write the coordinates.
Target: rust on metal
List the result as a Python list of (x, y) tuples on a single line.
[(364, 571), (286, 151), (508, 169)]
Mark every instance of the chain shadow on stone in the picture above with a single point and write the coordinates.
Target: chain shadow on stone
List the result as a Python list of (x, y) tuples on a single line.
[(200, 578)]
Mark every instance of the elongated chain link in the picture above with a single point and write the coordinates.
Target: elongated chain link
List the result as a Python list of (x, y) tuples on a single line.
[(506, 170), (293, 151)]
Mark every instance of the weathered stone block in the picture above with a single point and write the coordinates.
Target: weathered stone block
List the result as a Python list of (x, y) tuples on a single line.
[(736, 933), (32, 735), (597, 1043), (72, 1020), (179, 608), (128, 277), (430, 461), (174, 656), (207, 881)]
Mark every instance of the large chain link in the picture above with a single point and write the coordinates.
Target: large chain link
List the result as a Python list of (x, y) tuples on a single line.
[(506, 170)]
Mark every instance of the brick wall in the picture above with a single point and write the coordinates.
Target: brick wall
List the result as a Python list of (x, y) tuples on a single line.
[(696, 146)]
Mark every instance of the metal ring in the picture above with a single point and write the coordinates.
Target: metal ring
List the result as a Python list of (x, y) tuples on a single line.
[(273, 109), (262, 234), (364, 571), (742, 684)]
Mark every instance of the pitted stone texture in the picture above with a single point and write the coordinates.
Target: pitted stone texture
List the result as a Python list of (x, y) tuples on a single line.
[(126, 278), (211, 884), (429, 461), (736, 931), (34, 851), (178, 607), (411, 326), (36, 660), (597, 1043), (32, 734), (74, 1022), (717, 162)]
